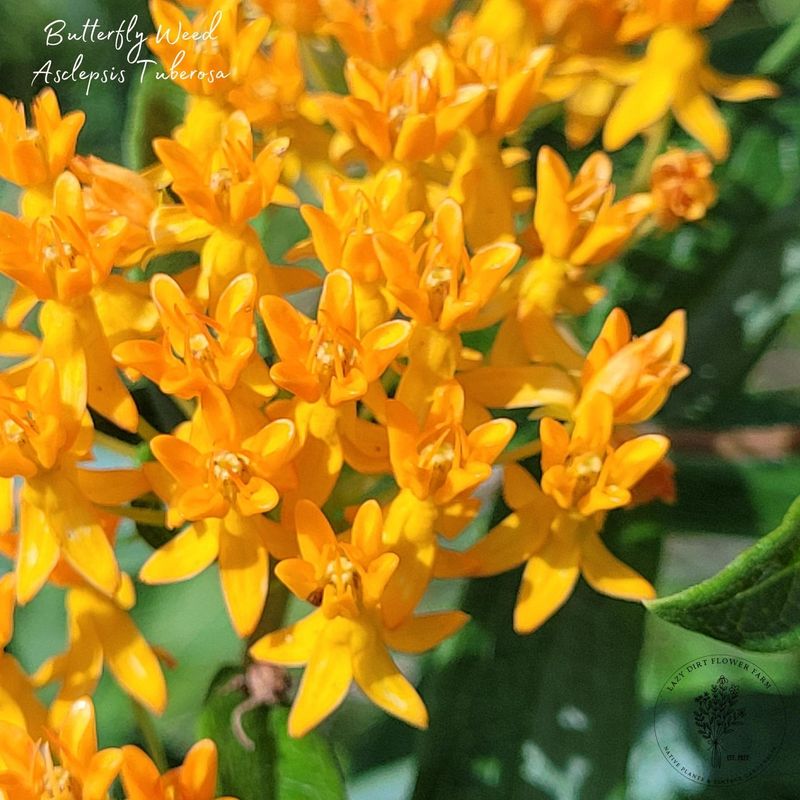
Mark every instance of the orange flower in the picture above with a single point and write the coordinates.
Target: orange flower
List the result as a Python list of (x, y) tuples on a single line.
[(440, 460), (61, 260), (28, 770), (100, 631), (34, 157), (681, 187), (327, 358), (405, 115), (636, 373), (224, 484), (582, 471), (387, 32), (578, 226), (199, 352), (18, 704), (437, 466), (441, 285), (346, 638), (675, 75), (343, 234), (45, 434), (222, 52), (221, 192), (195, 779)]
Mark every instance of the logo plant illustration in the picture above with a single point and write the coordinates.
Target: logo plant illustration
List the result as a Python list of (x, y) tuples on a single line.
[(716, 715), (340, 332)]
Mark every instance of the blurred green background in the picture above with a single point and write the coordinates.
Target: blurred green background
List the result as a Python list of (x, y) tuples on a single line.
[(567, 713)]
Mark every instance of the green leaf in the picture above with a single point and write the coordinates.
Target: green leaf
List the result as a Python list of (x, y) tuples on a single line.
[(528, 717), (156, 108), (753, 603), (279, 767)]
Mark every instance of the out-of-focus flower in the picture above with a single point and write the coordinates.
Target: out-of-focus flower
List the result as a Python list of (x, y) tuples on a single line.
[(18, 703), (100, 631), (346, 639), (405, 115), (68, 766), (34, 157), (387, 33), (674, 75), (681, 187), (195, 779)]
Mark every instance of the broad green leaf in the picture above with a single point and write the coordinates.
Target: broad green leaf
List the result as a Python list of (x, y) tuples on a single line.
[(155, 109), (528, 717), (753, 603), (278, 767)]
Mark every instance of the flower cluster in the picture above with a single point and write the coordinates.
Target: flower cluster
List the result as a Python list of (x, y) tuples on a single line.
[(341, 427)]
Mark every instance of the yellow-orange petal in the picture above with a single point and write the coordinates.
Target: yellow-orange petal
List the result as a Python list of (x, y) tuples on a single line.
[(605, 573), (243, 572), (547, 583), (326, 678), (421, 633), (383, 683), (184, 556), (291, 646)]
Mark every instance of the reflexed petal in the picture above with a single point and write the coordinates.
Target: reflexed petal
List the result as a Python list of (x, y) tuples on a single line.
[(605, 573), (38, 551), (326, 678), (384, 684), (298, 576), (243, 572), (184, 556), (421, 633), (639, 106), (698, 115), (511, 541), (547, 583), (291, 646), (130, 659), (519, 387)]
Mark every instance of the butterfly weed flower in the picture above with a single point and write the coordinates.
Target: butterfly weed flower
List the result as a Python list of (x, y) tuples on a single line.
[(346, 638)]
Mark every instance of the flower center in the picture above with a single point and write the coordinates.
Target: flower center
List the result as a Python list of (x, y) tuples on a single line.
[(231, 471)]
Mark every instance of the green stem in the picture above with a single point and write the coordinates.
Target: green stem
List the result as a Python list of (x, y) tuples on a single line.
[(655, 138), (146, 516), (146, 431), (152, 741)]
